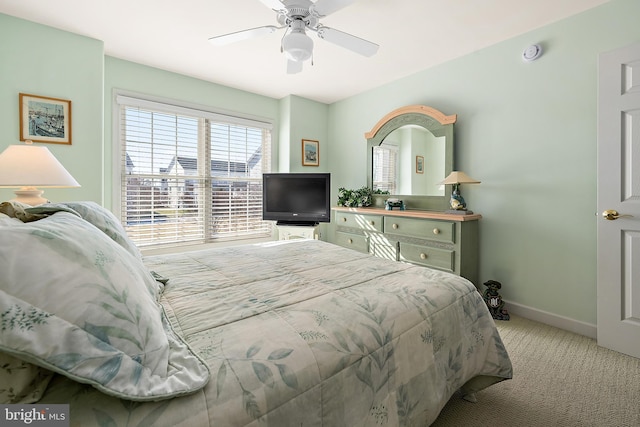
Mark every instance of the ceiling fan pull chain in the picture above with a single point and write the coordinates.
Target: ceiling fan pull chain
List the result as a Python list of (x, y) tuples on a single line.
[(286, 31)]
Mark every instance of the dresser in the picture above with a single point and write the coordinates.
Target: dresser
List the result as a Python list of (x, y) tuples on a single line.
[(447, 242)]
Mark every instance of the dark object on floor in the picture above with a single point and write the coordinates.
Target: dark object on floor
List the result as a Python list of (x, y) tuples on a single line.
[(494, 301)]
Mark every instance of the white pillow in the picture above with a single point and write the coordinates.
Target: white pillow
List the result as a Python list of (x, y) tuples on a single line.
[(74, 301), (97, 215), (20, 382), (6, 220)]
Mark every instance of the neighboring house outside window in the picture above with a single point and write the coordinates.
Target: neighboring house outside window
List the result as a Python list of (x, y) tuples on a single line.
[(188, 176)]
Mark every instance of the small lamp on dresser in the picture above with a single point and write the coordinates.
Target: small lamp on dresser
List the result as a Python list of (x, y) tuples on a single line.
[(457, 203), (26, 167)]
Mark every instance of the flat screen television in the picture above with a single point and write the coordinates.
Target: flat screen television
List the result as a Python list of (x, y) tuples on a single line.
[(296, 198)]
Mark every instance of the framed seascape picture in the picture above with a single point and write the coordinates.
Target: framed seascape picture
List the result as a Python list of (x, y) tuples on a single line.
[(419, 164), (44, 119), (310, 152)]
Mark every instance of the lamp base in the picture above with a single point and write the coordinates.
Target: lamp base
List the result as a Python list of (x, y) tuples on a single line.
[(30, 196), (459, 212)]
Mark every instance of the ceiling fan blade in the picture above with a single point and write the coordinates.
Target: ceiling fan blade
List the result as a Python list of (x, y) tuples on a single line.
[(327, 7), (273, 4), (294, 67), (226, 39), (353, 43)]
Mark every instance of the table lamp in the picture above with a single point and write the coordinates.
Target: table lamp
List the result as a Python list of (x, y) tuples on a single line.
[(457, 203), (27, 167)]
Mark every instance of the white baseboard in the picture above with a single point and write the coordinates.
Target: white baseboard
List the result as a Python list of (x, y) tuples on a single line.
[(572, 325)]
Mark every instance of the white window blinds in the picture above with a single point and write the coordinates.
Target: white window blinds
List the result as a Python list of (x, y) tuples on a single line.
[(190, 176), (385, 171)]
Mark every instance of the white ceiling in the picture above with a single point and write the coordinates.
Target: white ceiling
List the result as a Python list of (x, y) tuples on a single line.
[(413, 35)]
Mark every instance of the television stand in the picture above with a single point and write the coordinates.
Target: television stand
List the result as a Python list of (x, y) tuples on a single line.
[(297, 223), (287, 231)]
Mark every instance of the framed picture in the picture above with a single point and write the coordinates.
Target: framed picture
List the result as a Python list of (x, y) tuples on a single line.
[(419, 164), (44, 119), (310, 152)]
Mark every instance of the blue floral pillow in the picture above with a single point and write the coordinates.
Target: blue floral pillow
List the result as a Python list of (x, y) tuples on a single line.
[(77, 303)]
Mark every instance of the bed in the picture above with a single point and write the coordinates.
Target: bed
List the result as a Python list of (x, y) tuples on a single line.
[(283, 333)]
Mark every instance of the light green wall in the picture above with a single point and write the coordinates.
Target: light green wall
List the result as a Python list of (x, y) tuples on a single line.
[(528, 132), (305, 120), (284, 151), (40, 60)]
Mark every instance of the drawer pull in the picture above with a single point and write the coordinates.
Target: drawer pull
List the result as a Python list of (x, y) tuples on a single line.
[(349, 241), (436, 231), (395, 226), (344, 219), (372, 222), (423, 256)]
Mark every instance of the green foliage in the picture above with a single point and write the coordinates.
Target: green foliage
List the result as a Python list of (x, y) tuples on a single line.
[(263, 369), (17, 318), (357, 198), (104, 419), (404, 404)]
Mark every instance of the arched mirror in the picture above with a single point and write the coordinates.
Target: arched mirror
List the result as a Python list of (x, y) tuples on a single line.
[(409, 151)]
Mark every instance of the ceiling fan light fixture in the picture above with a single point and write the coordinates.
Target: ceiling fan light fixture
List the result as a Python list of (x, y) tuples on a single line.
[(299, 17), (297, 46)]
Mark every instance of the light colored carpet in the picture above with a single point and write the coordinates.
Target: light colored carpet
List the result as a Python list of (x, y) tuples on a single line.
[(559, 379)]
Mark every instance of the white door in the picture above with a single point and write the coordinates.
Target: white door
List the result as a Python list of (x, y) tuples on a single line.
[(619, 191)]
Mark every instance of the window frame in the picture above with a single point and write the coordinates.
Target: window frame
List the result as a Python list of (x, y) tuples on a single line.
[(386, 150), (172, 106)]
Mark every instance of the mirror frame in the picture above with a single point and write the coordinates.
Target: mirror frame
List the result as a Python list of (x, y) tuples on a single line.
[(435, 122)]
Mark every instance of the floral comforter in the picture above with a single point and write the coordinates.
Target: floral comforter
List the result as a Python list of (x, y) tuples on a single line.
[(305, 333)]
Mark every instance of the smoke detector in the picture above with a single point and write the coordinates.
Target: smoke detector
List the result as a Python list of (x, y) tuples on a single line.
[(532, 53)]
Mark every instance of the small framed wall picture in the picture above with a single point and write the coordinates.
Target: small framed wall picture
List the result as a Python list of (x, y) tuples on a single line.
[(310, 152), (44, 119), (419, 164)]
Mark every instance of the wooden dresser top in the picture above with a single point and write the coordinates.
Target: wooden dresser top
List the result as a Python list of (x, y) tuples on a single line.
[(411, 213)]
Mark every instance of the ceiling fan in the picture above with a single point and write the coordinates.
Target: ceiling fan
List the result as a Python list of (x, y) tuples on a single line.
[(298, 16)]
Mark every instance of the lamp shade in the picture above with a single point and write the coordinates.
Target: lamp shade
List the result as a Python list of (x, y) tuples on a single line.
[(457, 203), (459, 177), (32, 166), (29, 166)]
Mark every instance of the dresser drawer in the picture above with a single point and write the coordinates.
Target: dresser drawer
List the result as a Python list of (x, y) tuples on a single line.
[(447, 242), (297, 232), (442, 259), (352, 241), (363, 222), (441, 231), (384, 250)]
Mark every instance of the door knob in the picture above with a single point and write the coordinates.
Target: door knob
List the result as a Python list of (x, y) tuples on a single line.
[(611, 214)]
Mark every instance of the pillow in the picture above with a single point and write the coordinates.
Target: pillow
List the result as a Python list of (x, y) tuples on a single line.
[(75, 302), (97, 215), (8, 221), (21, 382)]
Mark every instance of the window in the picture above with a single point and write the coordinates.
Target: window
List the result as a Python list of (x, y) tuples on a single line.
[(385, 159), (190, 176)]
